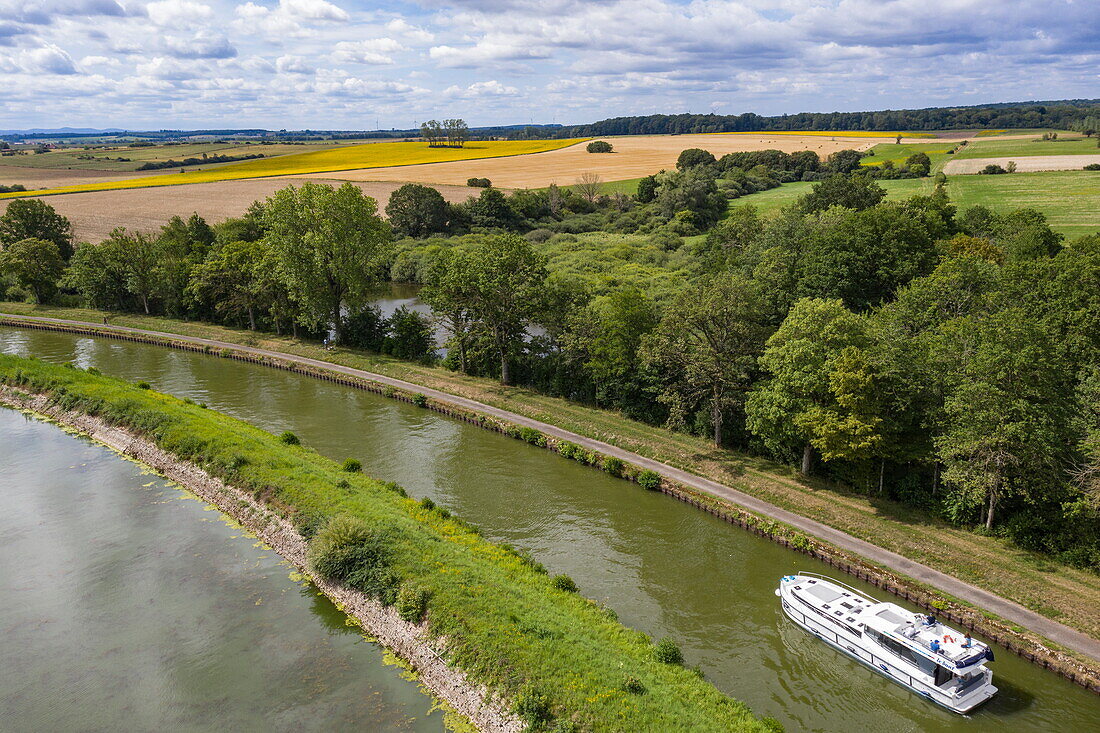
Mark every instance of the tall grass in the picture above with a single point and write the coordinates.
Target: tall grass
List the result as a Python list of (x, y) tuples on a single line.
[(509, 626)]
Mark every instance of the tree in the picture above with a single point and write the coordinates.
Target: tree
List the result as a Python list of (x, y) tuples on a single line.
[(499, 283), (599, 146), (230, 280), (1005, 416), (693, 190), (706, 348), (417, 210), (35, 264), (99, 273), (448, 290), (732, 236), (589, 186), (491, 210), (693, 157), (919, 164), (605, 337), (647, 189), (182, 246), (35, 219), (456, 131), (432, 131), (850, 191), (844, 162), (331, 248), (410, 336), (819, 389)]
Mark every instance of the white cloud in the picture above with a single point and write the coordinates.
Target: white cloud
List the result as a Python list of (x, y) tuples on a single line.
[(178, 13), (47, 59), (481, 90), (371, 51), (293, 65)]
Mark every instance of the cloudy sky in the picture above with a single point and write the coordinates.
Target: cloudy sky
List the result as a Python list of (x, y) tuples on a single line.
[(351, 64)]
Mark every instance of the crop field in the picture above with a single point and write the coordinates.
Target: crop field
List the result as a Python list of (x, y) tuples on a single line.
[(351, 157), (106, 157), (1024, 163), (840, 133), (1070, 144), (1069, 199), (95, 214), (898, 153), (634, 157)]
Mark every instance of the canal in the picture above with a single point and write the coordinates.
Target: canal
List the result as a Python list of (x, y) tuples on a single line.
[(666, 568)]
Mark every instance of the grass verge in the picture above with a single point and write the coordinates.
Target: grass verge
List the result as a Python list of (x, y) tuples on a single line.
[(557, 655)]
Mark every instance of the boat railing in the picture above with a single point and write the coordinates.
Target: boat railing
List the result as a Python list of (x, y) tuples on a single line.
[(837, 582)]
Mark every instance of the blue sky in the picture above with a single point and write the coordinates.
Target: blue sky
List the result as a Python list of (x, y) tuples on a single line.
[(346, 64)]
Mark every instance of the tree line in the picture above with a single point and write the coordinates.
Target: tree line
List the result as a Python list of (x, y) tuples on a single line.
[(945, 360)]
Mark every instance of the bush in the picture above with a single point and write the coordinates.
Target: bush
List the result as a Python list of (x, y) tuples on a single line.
[(143, 385), (992, 170), (289, 438), (633, 685), (667, 652), (479, 182), (568, 450), (412, 602), (613, 466), (420, 400), (532, 436), (1093, 167), (348, 550), (309, 524), (352, 465), (599, 146), (649, 480), (532, 705), (565, 583), (427, 503)]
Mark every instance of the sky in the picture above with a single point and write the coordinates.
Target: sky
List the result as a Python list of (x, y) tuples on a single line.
[(351, 64)]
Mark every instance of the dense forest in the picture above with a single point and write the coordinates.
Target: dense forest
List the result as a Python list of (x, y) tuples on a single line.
[(946, 359), (1062, 115)]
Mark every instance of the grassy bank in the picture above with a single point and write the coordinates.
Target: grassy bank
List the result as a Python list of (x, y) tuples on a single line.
[(1068, 595), (559, 656)]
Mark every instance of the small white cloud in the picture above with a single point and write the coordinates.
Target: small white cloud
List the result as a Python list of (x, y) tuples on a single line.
[(481, 90), (293, 65), (412, 33), (178, 13), (47, 59), (371, 51)]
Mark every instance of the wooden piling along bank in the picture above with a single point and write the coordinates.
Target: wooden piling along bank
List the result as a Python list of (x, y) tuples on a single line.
[(972, 619)]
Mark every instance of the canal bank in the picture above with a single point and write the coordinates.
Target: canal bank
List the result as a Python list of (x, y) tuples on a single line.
[(494, 636), (666, 568), (954, 599)]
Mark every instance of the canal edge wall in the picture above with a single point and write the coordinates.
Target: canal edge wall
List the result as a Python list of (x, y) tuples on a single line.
[(967, 615), (410, 642)]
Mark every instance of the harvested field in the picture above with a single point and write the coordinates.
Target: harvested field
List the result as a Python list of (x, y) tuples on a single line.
[(634, 157), (1024, 164), (34, 178), (95, 214)]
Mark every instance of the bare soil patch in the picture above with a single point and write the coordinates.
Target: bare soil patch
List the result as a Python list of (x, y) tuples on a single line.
[(634, 157), (1024, 164), (35, 178), (96, 213)]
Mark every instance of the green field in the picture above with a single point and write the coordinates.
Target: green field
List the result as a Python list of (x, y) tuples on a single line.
[(1070, 199), (883, 152), (505, 621), (1071, 144)]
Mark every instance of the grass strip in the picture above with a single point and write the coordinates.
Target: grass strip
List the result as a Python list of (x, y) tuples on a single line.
[(557, 655)]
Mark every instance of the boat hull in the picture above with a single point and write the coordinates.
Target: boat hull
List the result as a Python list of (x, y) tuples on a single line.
[(836, 638)]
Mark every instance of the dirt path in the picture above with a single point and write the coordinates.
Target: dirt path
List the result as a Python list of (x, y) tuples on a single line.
[(1059, 633), (1024, 164)]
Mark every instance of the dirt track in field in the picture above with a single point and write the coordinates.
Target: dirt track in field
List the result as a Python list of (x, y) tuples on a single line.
[(95, 214), (1024, 163), (634, 157)]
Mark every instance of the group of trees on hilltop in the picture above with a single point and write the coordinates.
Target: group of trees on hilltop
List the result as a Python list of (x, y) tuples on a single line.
[(447, 134), (940, 359)]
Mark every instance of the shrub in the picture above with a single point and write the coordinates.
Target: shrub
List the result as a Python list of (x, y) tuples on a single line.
[(599, 146), (309, 524), (420, 400), (633, 685), (348, 550), (613, 466), (143, 385), (352, 465), (649, 480), (992, 170), (479, 182), (565, 583), (412, 602), (667, 652), (427, 503), (568, 450), (532, 705), (1093, 167), (532, 436), (93, 371), (289, 438)]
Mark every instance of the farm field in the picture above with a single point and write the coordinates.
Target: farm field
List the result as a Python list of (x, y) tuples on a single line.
[(634, 157), (1027, 145), (95, 214), (883, 152), (1025, 164), (105, 157), (367, 155), (35, 178), (1069, 199)]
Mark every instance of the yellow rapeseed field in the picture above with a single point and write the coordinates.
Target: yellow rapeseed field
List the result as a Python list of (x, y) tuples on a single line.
[(371, 155)]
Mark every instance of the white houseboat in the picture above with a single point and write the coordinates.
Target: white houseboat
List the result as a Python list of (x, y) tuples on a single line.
[(914, 650)]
